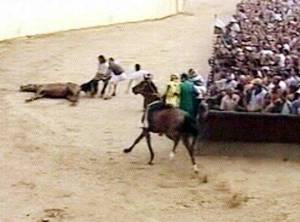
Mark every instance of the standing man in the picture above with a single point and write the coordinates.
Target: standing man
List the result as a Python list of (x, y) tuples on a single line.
[(103, 73), (255, 97), (296, 104), (118, 75), (194, 76), (187, 96), (230, 101)]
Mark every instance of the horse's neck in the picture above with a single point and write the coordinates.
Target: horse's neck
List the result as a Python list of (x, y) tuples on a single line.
[(152, 98), (38, 86), (34, 89)]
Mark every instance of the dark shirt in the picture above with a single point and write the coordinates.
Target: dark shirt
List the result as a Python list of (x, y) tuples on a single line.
[(296, 106), (116, 69)]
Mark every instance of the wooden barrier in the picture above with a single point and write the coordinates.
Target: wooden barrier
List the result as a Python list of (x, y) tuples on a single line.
[(252, 127)]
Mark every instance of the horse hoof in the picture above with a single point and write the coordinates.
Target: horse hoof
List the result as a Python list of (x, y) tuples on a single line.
[(151, 163), (107, 98), (127, 150), (196, 170), (172, 156)]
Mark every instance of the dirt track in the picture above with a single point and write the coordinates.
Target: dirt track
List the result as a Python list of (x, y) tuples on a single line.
[(66, 163)]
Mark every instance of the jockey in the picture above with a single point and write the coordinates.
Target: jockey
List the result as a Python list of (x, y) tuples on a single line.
[(148, 76), (187, 96), (171, 96)]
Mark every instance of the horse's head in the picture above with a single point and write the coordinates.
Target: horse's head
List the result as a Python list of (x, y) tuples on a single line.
[(29, 88), (145, 88)]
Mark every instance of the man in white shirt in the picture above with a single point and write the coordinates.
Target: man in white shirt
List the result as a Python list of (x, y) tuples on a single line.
[(230, 101), (103, 71), (136, 76), (195, 76), (293, 80), (257, 97), (103, 74), (281, 60), (277, 82)]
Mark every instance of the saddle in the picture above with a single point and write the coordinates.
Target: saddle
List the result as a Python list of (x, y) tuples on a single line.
[(151, 109)]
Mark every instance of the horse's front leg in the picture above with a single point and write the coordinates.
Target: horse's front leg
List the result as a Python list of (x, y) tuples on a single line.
[(137, 140), (176, 139), (35, 97), (73, 99), (148, 138)]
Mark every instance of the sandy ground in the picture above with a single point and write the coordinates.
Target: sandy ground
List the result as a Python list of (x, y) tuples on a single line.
[(62, 163)]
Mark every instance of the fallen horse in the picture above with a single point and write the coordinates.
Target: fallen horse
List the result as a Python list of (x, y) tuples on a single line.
[(69, 91)]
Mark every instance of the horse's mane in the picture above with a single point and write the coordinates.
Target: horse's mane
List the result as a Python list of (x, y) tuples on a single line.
[(168, 106)]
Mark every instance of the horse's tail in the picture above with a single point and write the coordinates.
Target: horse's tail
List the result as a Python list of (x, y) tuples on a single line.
[(190, 126)]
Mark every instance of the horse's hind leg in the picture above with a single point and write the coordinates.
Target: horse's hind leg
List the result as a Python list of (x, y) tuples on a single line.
[(137, 140), (176, 142), (148, 138), (190, 149)]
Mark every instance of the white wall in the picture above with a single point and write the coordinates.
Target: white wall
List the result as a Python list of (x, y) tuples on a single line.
[(30, 17)]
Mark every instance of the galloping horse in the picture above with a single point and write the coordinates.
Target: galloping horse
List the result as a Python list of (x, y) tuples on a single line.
[(164, 119), (69, 91)]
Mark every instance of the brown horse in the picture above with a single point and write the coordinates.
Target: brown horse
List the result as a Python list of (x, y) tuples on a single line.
[(69, 91), (165, 120)]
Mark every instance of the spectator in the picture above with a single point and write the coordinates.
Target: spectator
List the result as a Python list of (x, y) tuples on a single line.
[(230, 101)]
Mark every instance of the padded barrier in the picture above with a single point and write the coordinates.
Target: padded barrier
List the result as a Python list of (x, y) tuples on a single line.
[(252, 127)]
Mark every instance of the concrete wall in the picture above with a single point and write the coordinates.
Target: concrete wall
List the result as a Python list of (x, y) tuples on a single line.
[(30, 17)]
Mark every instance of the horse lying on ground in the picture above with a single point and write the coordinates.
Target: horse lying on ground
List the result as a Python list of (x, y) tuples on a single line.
[(69, 91), (164, 119)]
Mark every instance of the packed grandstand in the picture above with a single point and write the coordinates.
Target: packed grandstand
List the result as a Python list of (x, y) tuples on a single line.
[(255, 66)]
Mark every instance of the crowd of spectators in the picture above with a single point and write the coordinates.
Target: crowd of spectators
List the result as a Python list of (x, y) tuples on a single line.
[(255, 65)]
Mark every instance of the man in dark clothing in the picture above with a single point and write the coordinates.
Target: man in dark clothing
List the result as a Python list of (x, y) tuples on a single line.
[(118, 75)]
